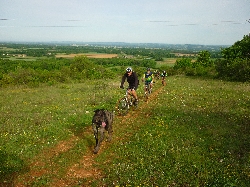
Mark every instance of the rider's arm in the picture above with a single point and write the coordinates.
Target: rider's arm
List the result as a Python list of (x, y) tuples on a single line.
[(123, 80), (143, 77), (136, 80)]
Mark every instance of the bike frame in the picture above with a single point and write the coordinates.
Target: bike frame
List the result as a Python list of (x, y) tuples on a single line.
[(147, 90), (163, 81), (125, 102)]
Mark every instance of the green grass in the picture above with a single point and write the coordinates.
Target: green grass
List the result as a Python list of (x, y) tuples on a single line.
[(194, 133), (197, 135), (34, 119)]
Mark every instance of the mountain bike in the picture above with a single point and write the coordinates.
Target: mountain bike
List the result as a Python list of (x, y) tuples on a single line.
[(125, 103), (163, 82), (147, 92)]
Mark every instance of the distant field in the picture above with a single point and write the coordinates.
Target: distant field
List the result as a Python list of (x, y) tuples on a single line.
[(6, 48), (167, 62), (89, 55), (27, 58)]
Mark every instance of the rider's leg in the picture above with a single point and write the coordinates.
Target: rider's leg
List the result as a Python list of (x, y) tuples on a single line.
[(130, 93), (135, 97), (146, 86), (134, 94), (151, 86)]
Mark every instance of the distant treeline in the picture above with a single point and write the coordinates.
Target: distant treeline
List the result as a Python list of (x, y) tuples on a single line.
[(54, 70), (51, 50), (234, 65)]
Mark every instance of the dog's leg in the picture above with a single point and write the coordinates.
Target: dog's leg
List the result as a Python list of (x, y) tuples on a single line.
[(95, 130), (102, 129), (110, 129), (99, 141)]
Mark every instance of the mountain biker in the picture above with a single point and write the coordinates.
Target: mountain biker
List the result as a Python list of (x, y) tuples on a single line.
[(163, 76), (132, 80), (157, 74), (148, 78)]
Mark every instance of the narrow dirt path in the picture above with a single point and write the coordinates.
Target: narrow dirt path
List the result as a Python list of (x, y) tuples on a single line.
[(84, 170), (38, 167)]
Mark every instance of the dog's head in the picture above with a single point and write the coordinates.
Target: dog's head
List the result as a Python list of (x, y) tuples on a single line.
[(99, 117)]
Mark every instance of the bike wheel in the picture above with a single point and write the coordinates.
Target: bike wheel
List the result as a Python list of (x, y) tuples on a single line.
[(149, 91), (163, 83), (134, 103), (122, 107), (146, 95)]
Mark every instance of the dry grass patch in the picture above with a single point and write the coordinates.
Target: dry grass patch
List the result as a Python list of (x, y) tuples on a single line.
[(89, 55)]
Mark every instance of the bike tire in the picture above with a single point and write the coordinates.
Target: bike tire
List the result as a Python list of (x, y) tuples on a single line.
[(146, 96), (135, 105), (122, 107)]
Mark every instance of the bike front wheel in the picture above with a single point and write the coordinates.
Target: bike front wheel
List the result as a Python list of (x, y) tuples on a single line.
[(122, 107), (163, 82), (146, 95)]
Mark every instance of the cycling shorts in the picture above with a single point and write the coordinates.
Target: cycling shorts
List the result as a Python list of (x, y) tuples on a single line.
[(132, 87), (148, 82)]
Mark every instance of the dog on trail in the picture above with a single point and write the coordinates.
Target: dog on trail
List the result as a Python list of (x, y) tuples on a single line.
[(101, 121)]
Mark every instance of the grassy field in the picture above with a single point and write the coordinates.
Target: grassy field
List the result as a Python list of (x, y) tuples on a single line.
[(89, 55), (192, 132), (167, 62)]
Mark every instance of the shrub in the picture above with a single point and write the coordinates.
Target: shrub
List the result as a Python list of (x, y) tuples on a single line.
[(235, 70), (183, 63)]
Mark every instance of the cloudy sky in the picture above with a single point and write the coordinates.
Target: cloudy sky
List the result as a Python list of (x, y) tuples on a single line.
[(216, 22)]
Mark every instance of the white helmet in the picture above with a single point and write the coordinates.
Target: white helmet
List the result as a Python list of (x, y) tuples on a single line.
[(129, 69)]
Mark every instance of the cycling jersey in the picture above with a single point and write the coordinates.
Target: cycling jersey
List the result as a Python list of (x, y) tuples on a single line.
[(164, 74), (132, 80), (148, 77)]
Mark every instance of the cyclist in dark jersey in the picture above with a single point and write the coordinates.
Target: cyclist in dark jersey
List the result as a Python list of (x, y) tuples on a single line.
[(132, 80), (163, 76)]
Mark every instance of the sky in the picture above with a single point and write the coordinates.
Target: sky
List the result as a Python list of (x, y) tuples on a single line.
[(205, 22)]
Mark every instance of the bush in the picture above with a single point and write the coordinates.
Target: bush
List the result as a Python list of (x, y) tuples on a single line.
[(236, 63), (183, 63), (234, 70)]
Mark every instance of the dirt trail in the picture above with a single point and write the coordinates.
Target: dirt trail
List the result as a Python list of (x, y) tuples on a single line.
[(85, 168)]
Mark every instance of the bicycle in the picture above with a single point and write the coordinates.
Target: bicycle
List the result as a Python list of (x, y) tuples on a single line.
[(125, 103), (148, 91), (163, 82)]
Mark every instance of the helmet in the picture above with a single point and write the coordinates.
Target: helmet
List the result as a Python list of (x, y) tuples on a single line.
[(164, 71), (129, 69)]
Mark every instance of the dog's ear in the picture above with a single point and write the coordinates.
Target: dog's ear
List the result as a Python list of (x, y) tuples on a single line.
[(97, 110)]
